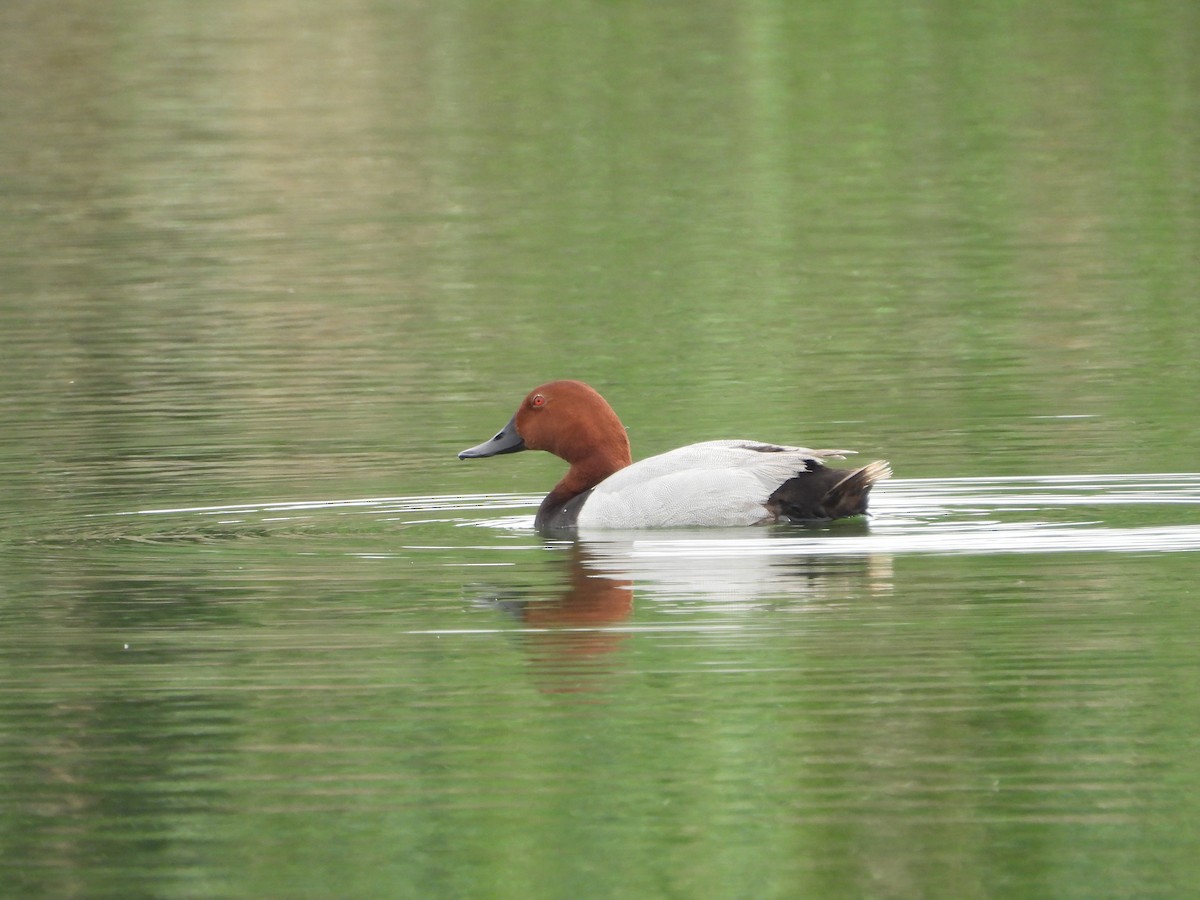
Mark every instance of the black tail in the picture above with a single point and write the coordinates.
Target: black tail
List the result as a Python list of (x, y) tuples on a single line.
[(823, 493)]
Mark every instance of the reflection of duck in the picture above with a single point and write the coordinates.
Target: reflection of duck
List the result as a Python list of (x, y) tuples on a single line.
[(716, 483), (573, 625), (602, 576), (732, 568), (570, 639), (590, 599)]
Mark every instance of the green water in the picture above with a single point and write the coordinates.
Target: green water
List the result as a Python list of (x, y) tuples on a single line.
[(265, 268)]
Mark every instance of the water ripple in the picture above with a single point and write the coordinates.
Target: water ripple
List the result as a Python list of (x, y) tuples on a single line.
[(1025, 514)]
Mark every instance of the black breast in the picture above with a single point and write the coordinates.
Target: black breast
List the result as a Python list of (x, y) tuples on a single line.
[(554, 516)]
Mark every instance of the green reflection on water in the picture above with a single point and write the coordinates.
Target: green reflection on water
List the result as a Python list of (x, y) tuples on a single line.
[(255, 722)]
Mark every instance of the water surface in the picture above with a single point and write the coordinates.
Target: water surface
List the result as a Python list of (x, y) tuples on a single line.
[(265, 268)]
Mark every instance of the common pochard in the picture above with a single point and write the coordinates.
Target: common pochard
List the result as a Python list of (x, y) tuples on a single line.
[(715, 483)]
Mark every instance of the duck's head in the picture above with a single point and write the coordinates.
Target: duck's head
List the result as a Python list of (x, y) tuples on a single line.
[(566, 418)]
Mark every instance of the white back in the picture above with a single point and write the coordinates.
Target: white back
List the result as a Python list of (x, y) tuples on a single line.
[(714, 483)]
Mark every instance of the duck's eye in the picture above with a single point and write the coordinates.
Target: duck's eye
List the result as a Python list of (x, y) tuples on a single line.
[(537, 401)]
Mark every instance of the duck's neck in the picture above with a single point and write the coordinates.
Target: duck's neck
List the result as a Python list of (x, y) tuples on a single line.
[(585, 474), (580, 478)]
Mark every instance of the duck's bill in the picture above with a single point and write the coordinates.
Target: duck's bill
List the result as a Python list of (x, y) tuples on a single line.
[(507, 441)]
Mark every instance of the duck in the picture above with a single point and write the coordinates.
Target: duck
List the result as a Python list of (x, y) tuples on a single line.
[(719, 483)]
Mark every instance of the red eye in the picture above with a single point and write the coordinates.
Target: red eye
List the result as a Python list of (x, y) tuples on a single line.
[(537, 400)]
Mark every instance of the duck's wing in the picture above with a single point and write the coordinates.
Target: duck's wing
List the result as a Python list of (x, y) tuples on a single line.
[(714, 483)]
